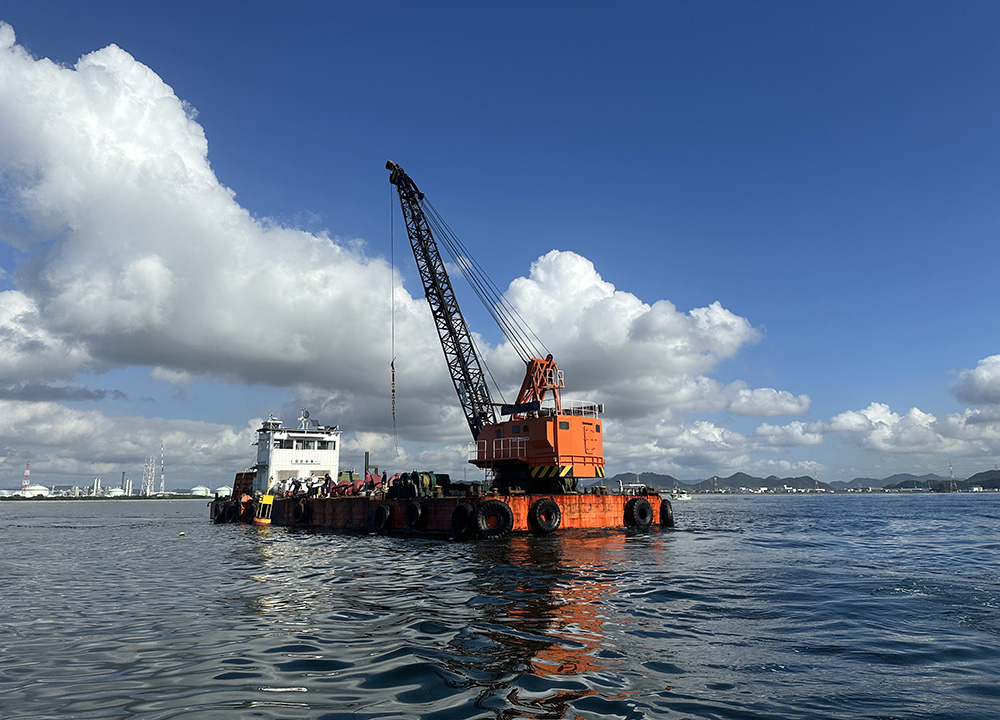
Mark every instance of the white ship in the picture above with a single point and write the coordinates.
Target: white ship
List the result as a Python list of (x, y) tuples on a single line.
[(306, 454)]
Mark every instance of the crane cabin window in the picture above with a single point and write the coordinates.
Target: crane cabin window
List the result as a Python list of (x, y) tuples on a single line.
[(563, 425)]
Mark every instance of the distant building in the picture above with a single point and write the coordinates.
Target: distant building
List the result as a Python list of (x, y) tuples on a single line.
[(33, 491), (201, 491), (224, 491)]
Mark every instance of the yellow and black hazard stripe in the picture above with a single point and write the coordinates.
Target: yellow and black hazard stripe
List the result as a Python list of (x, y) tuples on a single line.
[(599, 471), (551, 471)]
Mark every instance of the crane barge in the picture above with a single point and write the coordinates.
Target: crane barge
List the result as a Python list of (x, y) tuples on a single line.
[(537, 453)]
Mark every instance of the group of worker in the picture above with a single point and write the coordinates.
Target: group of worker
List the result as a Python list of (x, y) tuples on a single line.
[(325, 486)]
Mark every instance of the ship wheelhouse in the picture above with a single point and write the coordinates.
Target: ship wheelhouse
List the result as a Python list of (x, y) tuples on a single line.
[(302, 453)]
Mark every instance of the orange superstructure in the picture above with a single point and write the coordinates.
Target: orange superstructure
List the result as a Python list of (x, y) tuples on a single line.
[(543, 448)]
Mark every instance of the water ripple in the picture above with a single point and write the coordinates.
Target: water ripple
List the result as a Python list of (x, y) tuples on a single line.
[(757, 607)]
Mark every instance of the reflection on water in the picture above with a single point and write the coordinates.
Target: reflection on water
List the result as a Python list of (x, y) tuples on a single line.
[(542, 607), (516, 625)]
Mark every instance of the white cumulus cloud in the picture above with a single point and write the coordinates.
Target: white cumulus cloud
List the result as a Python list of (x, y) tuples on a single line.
[(981, 384), (640, 359), (31, 352), (763, 402), (793, 434), (879, 428), (149, 260), (84, 444)]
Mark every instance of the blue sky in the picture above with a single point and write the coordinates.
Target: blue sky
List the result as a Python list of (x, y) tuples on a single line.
[(774, 227)]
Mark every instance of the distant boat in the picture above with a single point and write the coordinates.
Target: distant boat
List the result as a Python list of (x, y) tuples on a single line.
[(679, 495)]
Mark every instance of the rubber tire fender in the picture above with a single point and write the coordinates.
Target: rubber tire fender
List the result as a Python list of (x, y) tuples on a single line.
[(233, 513), (544, 516), (413, 514), (462, 521), (666, 513), (494, 519), (383, 518), (638, 513), (301, 513)]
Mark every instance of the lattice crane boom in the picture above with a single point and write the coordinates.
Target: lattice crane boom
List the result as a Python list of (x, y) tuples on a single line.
[(463, 363)]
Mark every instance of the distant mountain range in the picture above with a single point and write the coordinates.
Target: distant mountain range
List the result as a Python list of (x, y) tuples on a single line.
[(987, 480)]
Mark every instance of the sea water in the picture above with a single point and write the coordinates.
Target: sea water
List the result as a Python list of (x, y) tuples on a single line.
[(807, 606)]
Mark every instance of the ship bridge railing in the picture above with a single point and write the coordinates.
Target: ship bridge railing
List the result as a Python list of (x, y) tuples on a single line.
[(575, 407), (498, 449)]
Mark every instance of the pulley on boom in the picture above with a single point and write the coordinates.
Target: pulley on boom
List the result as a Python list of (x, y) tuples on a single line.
[(543, 447)]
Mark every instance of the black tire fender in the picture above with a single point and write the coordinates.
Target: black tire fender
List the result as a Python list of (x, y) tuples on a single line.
[(413, 514), (383, 518), (494, 519), (233, 513), (301, 513), (544, 516), (462, 518), (666, 513), (638, 513)]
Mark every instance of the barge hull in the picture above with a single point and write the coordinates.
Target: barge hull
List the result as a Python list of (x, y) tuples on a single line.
[(460, 517)]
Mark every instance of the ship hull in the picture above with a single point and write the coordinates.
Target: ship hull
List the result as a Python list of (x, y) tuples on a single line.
[(478, 517)]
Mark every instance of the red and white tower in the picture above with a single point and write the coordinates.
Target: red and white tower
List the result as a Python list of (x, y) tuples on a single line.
[(26, 483)]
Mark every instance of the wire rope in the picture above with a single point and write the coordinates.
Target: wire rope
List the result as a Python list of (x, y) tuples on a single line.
[(392, 315), (513, 326)]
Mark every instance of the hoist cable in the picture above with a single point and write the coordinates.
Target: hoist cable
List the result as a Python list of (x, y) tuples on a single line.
[(392, 314), (511, 323), (513, 326)]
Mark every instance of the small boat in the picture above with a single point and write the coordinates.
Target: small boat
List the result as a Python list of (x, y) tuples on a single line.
[(679, 495)]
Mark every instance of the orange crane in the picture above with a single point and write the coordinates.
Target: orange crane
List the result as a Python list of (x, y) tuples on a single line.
[(543, 445)]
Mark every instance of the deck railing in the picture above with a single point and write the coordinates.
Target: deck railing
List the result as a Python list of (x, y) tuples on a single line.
[(499, 449)]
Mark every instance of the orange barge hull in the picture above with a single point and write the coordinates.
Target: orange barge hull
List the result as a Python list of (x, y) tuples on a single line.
[(459, 517)]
